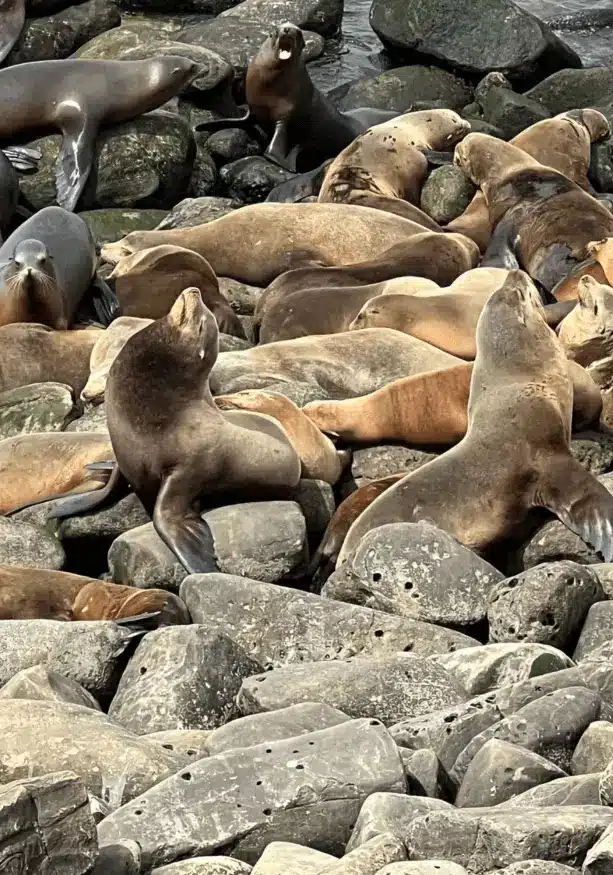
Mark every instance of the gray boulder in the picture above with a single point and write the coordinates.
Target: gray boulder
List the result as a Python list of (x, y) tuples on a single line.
[(197, 211), (204, 176), (205, 866), (594, 750), (287, 858), (390, 813), (108, 226), (593, 449), (596, 631), (398, 89), (536, 867), (34, 408), (556, 543), (599, 858), (426, 775), (372, 463), (321, 16), (369, 858), (446, 193), (231, 144), (571, 790), (605, 788), (191, 742), (574, 89), (250, 180), (424, 867), (25, 544), (512, 113), (41, 683)]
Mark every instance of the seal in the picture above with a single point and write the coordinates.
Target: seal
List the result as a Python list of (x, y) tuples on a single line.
[(47, 266), (319, 457), (12, 19), (179, 448), (257, 243), (306, 127), (76, 96), (540, 217), (149, 282), (587, 332), (104, 352), (516, 453)]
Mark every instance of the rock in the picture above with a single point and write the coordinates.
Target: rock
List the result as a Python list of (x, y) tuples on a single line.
[(555, 543), (279, 626), (197, 211), (604, 572), (41, 737), (369, 858), (35, 408), (181, 677), (546, 604), (500, 771), (24, 544), (398, 89), (605, 788), (572, 790), (145, 163), (390, 813), (476, 37), (599, 858), (598, 676), (535, 867), (93, 419), (514, 696), (322, 16), (122, 858), (446, 194), (372, 463), (594, 749), (201, 7), (512, 113), (387, 688), (550, 726), (231, 144), (594, 450), (601, 166), (574, 89), (426, 775), (597, 630), (205, 866), (190, 742), (108, 226), (203, 181), (47, 826), (416, 570), (285, 858), (41, 683), (262, 540), (268, 790), (249, 180), (424, 867)]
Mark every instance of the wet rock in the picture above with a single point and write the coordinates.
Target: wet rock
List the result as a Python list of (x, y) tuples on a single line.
[(321, 16), (249, 180), (197, 211), (41, 737), (594, 450), (24, 544), (511, 112), (201, 7), (205, 866), (204, 175), (594, 749), (122, 858), (262, 540), (416, 570), (398, 89), (370, 857), (546, 604), (108, 226), (34, 408), (268, 790), (426, 775), (476, 37), (373, 463), (387, 688), (446, 194), (572, 790), (278, 625), (285, 858), (190, 742), (597, 630), (57, 36), (143, 163), (599, 858), (571, 89), (601, 166), (231, 144), (181, 677), (41, 683), (390, 813), (500, 771), (47, 826)]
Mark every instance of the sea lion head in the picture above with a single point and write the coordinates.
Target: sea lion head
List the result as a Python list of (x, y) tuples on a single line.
[(592, 120), (31, 285), (587, 332), (441, 129), (512, 316), (384, 311), (193, 328), (286, 42), (171, 74)]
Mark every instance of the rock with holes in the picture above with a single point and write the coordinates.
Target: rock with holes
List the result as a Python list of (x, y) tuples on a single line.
[(535, 867), (550, 726), (181, 677), (190, 742), (597, 630), (426, 775), (546, 604), (416, 570), (306, 790), (501, 770), (205, 866), (387, 688), (34, 408), (390, 813), (594, 750), (278, 625), (571, 790), (42, 683), (495, 665), (286, 858), (369, 858)]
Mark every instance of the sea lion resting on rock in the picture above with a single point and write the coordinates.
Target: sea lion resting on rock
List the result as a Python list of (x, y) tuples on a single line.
[(516, 452), (104, 353), (587, 332)]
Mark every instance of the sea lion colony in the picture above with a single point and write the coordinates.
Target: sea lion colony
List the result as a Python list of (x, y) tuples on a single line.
[(330, 434)]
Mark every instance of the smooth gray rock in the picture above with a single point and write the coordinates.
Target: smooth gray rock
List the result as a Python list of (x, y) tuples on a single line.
[(568, 89), (197, 211), (426, 775), (321, 16), (369, 858), (572, 790), (416, 570), (287, 858), (386, 688), (267, 791), (398, 89), (594, 675), (594, 749), (191, 742), (205, 866), (446, 194), (181, 677), (108, 226), (24, 544), (511, 112), (122, 858), (536, 867), (250, 180), (34, 408), (372, 463), (109, 522), (604, 572), (501, 770), (41, 683), (241, 296), (390, 813), (547, 604), (279, 626), (554, 542), (47, 826), (597, 630), (424, 867)]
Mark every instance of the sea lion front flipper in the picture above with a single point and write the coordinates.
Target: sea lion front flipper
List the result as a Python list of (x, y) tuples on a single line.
[(278, 149), (502, 249), (76, 153), (579, 500), (179, 524), (23, 158), (105, 301)]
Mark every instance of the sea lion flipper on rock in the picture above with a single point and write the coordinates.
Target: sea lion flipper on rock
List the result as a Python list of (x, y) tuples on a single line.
[(105, 301), (93, 499), (76, 152), (23, 158), (278, 150), (180, 526)]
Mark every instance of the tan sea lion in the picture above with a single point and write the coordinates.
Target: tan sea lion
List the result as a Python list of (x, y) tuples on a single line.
[(104, 353), (257, 243), (149, 282), (567, 289), (173, 445), (602, 253), (587, 332), (516, 452)]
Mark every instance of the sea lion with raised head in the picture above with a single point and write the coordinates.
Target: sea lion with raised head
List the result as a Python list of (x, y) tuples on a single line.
[(516, 452)]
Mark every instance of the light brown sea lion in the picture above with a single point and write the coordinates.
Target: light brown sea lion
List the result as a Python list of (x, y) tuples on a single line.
[(258, 243), (587, 332), (542, 220), (602, 252), (319, 457), (178, 448), (562, 142), (149, 282), (567, 289), (516, 452), (104, 353)]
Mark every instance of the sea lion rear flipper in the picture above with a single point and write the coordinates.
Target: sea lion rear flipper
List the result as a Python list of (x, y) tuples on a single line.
[(181, 527), (23, 158), (580, 501), (85, 501), (140, 623), (105, 301), (76, 153)]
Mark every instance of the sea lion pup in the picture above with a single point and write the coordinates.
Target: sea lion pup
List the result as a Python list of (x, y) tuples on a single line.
[(104, 353), (562, 143), (539, 216), (34, 353), (587, 332), (179, 448), (319, 457), (516, 452), (257, 243)]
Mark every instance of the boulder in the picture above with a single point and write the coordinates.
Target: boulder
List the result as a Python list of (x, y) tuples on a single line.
[(594, 450), (574, 89), (536, 867), (512, 113), (286, 858), (322, 16), (572, 790), (250, 180), (369, 858), (25, 544), (554, 542), (231, 144), (424, 867), (191, 742), (398, 89), (599, 858), (597, 630), (605, 787), (197, 211), (390, 813), (35, 408), (204, 176), (426, 775), (446, 193), (373, 463), (205, 866), (594, 750), (42, 683), (108, 226)]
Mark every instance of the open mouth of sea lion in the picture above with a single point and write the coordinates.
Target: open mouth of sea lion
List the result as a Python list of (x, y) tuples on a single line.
[(286, 43)]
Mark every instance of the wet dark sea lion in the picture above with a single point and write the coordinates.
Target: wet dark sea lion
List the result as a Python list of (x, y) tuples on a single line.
[(76, 96), (516, 453)]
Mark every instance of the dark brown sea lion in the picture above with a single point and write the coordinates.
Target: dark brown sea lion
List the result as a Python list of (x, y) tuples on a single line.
[(76, 96), (516, 452)]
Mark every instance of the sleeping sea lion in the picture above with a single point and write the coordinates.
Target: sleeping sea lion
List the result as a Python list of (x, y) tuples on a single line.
[(587, 332)]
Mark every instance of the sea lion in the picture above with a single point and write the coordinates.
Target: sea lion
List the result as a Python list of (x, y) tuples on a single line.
[(567, 289), (306, 128), (540, 217), (105, 351), (34, 353), (587, 332), (257, 243), (601, 251), (300, 186), (76, 96), (319, 457), (47, 266), (516, 452), (12, 19), (179, 448), (9, 193), (562, 143), (149, 282)]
